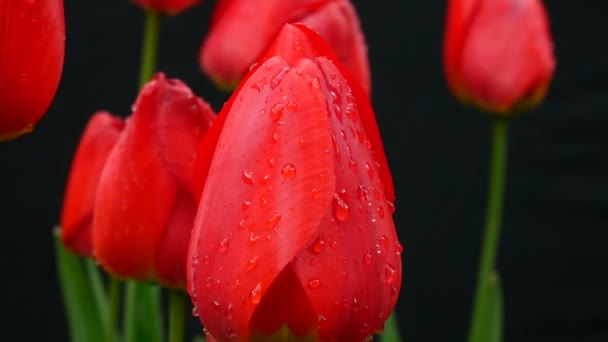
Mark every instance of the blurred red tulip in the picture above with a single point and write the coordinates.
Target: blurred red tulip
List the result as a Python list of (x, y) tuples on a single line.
[(95, 145), (170, 7), (145, 204), (294, 236), (242, 31), (32, 37), (498, 54)]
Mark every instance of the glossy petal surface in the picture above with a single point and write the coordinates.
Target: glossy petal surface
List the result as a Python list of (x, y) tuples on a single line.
[(242, 30), (95, 145), (145, 206), (32, 41)]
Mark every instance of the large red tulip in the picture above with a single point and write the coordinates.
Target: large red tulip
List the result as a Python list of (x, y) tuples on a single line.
[(145, 205), (242, 31), (171, 7), (95, 145), (294, 236), (498, 53), (32, 39)]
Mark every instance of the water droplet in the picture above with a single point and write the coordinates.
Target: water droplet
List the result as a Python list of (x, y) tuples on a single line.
[(376, 193), (314, 192), (256, 294), (247, 177), (360, 136), (384, 242), (276, 80), (370, 171), (208, 282), (337, 110), (391, 274), (399, 248), (321, 318), (264, 180), (245, 205), (333, 244), (195, 311), (315, 83), (367, 258), (291, 106), (318, 245), (263, 201), (223, 245), (362, 193), (272, 221), (322, 177), (258, 85), (336, 148), (275, 138), (216, 306), (391, 206), (352, 164), (381, 212), (341, 210), (288, 171), (314, 283), (351, 115), (206, 260), (253, 237), (313, 261), (297, 45), (299, 72), (252, 263), (302, 142), (276, 111)]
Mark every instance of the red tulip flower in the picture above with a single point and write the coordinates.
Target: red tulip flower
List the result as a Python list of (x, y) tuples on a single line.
[(32, 37), (145, 205), (166, 6), (242, 31), (294, 236), (96, 142), (498, 54)]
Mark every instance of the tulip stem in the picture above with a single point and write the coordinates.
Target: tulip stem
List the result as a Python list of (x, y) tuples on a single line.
[(114, 285), (149, 49), (177, 315), (490, 242)]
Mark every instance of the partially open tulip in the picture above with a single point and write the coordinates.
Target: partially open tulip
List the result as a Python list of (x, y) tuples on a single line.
[(170, 7), (294, 236), (242, 31), (95, 145), (145, 204), (32, 37), (498, 54)]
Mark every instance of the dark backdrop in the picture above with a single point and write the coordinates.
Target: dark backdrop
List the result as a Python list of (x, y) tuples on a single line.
[(553, 256)]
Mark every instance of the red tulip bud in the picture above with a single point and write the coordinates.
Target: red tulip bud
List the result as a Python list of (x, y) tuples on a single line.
[(171, 7), (145, 205), (498, 54), (294, 236), (95, 145), (32, 37), (242, 30)]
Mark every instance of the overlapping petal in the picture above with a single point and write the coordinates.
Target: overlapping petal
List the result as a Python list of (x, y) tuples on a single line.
[(242, 30), (28, 83), (145, 205), (98, 139)]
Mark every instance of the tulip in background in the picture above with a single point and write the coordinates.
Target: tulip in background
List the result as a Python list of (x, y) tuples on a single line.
[(498, 54), (171, 7), (145, 203), (242, 30), (29, 30), (97, 141), (303, 243)]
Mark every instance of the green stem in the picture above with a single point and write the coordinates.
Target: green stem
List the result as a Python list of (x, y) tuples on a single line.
[(113, 307), (489, 249), (391, 330), (149, 49), (177, 315), (99, 292)]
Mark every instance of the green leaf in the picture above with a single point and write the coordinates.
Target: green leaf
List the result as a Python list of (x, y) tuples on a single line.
[(84, 321), (198, 339), (391, 330)]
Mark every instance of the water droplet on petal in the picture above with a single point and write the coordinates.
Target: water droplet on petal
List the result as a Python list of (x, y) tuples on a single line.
[(384, 242), (370, 171), (391, 274), (253, 237), (333, 244), (252, 263), (276, 111), (318, 245), (195, 311), (272, 221), (302, 142), (399, 248), (256, 294), (291, 106), (271, 162), (216, 306), (275, 138), (288, 171), (351, 115), (341, 210), (315, 83), (381, 212), (314, 283), (223, 245), (314, 192), (245, 205), (247, 177), (367, 258), (264, 180), (391, 206)]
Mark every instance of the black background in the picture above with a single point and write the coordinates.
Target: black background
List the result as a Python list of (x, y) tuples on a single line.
[(553, 255)]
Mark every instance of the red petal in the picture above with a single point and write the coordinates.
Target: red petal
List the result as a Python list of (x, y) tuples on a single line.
[(97, 140), (28, 83), (351, 268), (167, 6), (146, 184), (274, 152)]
